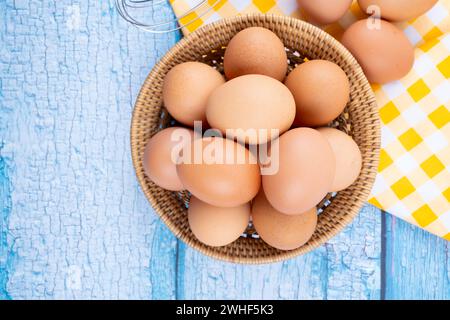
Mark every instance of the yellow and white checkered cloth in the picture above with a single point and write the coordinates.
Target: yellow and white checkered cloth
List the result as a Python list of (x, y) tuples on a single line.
[(414, 174)]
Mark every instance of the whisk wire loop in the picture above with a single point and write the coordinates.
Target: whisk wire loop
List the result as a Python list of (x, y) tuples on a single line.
[(125, 8)]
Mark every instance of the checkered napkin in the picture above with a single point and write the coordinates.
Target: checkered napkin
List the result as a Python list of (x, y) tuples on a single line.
[(414, 174)]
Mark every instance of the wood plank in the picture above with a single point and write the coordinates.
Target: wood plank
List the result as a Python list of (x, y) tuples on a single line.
[(417, 262), (77, 224), (347, 267), (6, 254)]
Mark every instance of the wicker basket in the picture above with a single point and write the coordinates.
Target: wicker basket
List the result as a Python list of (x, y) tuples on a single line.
[(302, 40)]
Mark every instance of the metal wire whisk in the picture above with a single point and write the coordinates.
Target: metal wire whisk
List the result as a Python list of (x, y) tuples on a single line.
[(126, 8)]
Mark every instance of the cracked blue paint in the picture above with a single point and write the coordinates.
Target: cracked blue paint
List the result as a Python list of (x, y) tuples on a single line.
[(72, 208), (7, 256)]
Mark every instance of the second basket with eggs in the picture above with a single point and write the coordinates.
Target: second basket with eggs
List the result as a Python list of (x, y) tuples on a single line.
[(359, 120)]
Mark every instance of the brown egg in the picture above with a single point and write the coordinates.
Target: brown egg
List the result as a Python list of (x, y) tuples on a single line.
[(255, 50), (398, 10), (284, 232), (321, 90), (324, 11), (305, 174), (254, 103), (186, 89), (384, 52), (348, 158), (220, 172), (216, 226), (159, 154)]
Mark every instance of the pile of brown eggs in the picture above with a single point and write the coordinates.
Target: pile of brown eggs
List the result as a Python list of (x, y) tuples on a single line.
[(381, 48), (290, 115)]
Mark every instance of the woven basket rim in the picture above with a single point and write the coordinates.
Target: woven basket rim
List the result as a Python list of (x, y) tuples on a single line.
[(360, 197)]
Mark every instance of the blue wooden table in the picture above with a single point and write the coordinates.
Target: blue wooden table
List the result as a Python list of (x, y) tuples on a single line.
[(73, 220)]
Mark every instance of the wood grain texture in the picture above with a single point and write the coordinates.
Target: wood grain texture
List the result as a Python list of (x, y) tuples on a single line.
[(347, 267), (74, 223), (416, 264)]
